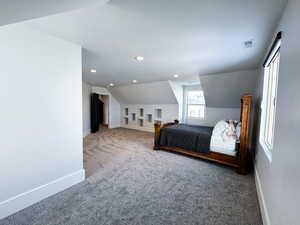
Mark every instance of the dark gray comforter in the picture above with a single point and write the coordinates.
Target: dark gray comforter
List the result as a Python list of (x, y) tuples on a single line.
[(189, 137)]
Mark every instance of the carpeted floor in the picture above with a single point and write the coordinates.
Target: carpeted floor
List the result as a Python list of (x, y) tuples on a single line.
[(128, 183)]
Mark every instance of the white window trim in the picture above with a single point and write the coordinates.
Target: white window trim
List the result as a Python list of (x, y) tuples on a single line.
[(266, 147), (193, 117), (185, 105), (262, 142)]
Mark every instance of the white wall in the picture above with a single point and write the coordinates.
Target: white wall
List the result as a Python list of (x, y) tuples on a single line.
[(114, 107), (213, 115), (147, 93), (41, 117), (169, 113), (86, 108), (177, 89), (224, 90), (166, 95), (278, 181)]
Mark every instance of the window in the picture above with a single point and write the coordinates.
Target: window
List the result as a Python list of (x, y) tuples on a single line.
[(268, 105), (195, 104)]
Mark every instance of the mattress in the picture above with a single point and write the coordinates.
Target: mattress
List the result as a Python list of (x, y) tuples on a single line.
[(199, 139), (221, 146), (224, 150)]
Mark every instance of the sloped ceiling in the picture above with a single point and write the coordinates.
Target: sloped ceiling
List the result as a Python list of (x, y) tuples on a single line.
[(148, 93), (13, 11), (185, 37), (225, 90)]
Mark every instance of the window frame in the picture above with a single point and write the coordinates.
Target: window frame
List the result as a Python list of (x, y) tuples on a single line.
[(188, 89), (195, 117), (268, 106)]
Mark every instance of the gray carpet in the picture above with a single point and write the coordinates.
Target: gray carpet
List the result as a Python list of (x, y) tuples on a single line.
[(128, 183)]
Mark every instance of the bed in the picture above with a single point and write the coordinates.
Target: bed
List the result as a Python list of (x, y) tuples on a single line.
[(201, 141)]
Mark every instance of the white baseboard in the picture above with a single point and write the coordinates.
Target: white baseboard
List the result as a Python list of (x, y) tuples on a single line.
[(114, 125), (147, 129), (261, 199), (23, 200)]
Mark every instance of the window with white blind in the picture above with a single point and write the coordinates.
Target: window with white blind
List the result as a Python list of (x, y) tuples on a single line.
[(195, 104), (268, 106)]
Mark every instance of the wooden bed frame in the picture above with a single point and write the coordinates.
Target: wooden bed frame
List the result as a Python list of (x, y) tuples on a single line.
[(241, 161)]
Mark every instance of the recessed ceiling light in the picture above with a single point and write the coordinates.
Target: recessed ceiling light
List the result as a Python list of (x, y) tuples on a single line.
[(111, 84), (176, 75), (134, 81), (93, 70), (139, 58)]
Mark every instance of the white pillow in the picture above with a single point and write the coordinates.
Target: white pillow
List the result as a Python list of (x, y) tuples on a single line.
[(230, 132), (220, 127), (219, 140)]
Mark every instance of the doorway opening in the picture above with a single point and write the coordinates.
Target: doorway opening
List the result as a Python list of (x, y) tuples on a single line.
[(104, 111), (99, 112)]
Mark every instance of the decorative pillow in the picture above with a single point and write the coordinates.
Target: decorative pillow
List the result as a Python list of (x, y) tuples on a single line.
[(230, 131), (220, 127)]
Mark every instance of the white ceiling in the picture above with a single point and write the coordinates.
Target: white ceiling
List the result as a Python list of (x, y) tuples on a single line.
[(185, 37), (12, 11)]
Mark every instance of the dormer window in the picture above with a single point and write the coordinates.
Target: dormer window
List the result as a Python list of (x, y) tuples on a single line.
[(194, 104)]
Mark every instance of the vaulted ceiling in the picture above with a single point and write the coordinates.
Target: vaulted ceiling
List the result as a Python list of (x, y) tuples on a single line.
[(188, 38), (225, 90), (13, 11), (145, 94)]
